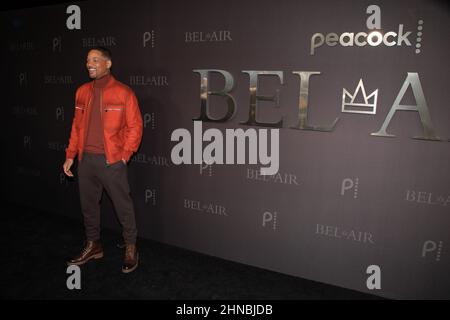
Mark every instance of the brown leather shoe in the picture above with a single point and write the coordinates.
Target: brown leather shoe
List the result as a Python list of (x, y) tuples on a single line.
[(131, 260), (92, 250)]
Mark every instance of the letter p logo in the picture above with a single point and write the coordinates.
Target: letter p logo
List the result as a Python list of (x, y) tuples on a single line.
[(150, 196), (57, 44), (148, 36), (269, 217), (374, 281), (350, 184)]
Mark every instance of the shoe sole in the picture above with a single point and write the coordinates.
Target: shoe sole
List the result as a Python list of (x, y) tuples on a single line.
[(95, 256), (135, 266)]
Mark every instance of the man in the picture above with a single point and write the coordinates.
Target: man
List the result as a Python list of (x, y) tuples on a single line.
[(106, 130)]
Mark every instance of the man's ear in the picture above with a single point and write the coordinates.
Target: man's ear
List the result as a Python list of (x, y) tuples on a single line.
[(109, 64)]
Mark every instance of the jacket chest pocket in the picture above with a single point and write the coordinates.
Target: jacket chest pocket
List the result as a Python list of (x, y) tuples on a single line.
[(113, 116)]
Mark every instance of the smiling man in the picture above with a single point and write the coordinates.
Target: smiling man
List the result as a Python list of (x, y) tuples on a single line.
[(106, 130)]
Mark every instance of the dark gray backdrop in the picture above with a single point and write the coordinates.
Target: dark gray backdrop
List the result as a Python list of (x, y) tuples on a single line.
[(342, 201)]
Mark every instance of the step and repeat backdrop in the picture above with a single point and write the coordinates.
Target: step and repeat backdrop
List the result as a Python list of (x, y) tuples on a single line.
[(357, 92)]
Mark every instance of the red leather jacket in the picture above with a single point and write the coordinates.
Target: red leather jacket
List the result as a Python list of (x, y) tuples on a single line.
[(122, 121)]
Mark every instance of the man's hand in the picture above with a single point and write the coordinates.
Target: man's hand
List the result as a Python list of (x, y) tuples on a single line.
[(66, 167)]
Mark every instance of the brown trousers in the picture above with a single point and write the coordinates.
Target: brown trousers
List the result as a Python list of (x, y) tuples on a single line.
[(94, 175)]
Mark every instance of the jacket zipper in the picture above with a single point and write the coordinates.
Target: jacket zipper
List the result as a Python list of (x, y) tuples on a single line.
[(103, 130)]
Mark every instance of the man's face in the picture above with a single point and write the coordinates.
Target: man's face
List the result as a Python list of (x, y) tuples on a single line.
[(97, 64)]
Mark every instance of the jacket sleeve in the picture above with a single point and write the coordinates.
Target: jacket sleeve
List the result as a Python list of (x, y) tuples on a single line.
[(72, 149), (133, 127)]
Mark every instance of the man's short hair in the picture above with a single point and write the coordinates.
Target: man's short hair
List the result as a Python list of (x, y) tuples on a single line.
[(105, 52)]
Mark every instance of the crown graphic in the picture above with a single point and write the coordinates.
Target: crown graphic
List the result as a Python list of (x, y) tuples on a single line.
[(367, 106)]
